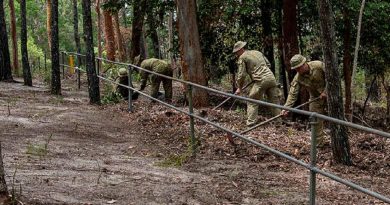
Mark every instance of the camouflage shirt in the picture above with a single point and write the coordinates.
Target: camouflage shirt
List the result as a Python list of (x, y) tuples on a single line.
[(314, 81), (155, 65), (254, 64)]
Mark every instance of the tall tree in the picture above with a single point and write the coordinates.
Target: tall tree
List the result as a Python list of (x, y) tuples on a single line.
[(137, 27), (152, 31), (55, 55), (3, 184), (118, 37), (99, 28), (339, 135), (76, 28), (192, 65), (93, 80), (347, 58), (283, 77), (5, 62), (48, 21), (23, 44), (290, 34), (266, 13), (13, 36), (109, 34)]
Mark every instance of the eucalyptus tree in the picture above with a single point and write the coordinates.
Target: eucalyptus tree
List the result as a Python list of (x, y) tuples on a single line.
[(13, 37), (93, 80), (3, 184), (23, 44), (55, 55), (5, 62), (339, 135)]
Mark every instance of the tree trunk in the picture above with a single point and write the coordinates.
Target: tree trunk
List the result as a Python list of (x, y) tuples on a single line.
[(282, 77), (191, 56), (23, 44), (5, 61), (119, 39), (137, 26), (355, 57), (76, 29), (93, 80), (55, 55), (109, 35), (290, 34), (99, 28), (3, 184), (48, 21), (347, 60), (14, 39), (153, 35), (266, 8), (386, 85), (339, 134)]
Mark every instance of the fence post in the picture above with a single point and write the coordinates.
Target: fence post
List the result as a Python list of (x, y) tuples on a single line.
[(192, 128), (129, 77), (313, 158)]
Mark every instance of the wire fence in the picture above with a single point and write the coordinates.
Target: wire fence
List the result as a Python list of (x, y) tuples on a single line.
[(314, 117)]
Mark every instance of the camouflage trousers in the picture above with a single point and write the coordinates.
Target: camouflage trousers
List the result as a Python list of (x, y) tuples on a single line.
[(167, 85), (319, 107), (270, 89)]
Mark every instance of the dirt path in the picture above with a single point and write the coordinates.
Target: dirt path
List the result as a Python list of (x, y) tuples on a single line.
[(61, 150)]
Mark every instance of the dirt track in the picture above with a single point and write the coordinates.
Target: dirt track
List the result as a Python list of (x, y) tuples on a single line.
[(103, 155)]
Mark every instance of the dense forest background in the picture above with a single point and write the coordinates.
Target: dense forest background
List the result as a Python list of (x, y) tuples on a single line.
[(123, 29)]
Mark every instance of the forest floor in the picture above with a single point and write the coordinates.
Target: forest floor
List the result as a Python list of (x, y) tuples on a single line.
[(62, 150)]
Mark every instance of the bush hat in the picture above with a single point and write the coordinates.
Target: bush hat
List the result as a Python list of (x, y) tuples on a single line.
[(297, 61), (238, 46), (122, 72)]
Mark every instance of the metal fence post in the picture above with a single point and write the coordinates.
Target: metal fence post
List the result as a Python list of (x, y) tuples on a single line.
[(192, 128), (129, 77), (313, 158)]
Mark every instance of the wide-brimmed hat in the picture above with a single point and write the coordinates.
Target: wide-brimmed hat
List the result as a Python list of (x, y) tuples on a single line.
[(122, 72), (238, 46), (297, 61)]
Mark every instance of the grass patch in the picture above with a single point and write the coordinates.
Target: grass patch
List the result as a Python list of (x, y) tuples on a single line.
[(39, 150)]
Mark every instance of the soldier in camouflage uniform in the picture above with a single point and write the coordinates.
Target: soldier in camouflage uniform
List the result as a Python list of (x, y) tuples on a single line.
[(158, 66), (254, 64), (311, 75), (124, 80)]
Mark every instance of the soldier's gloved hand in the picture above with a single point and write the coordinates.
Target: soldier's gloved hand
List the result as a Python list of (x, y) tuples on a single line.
[(238, 91), (284, 113)]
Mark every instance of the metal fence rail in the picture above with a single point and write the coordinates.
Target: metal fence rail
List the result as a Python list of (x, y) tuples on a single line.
[(313, 120)]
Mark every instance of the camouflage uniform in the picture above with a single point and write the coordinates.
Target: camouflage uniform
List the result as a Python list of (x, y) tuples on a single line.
[(255, 64), (161, 67), (124, 80), (315, 83)]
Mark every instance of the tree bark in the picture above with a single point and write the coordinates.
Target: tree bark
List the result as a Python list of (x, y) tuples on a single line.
[(152, 33), (3, 184), (55, 53), (109, 35), (23, 44), (290, 34), (48, 21), (282, 77), (355, 57), (119, 39), (5, 61), (347, 60), (266, 8), (137, 26), (99, 28), (76, 29), (14, 38), (191, 56), (339, 134), (93, 80)]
